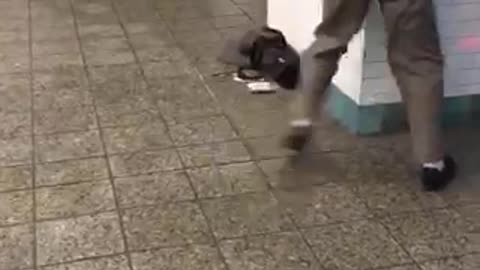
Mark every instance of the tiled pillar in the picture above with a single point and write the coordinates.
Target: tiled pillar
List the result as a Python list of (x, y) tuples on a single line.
[(364, 96)]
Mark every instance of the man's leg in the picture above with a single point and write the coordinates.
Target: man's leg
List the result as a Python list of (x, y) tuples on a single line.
[(416, 60), (319, 63)]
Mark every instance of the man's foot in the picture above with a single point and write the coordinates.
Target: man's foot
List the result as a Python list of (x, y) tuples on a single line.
[(298, 137), (435, 179)]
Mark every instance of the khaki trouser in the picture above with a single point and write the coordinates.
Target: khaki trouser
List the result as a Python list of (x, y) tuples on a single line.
[(414, 55)]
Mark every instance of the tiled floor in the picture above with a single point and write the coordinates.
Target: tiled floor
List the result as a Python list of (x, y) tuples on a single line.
[(124, 146)]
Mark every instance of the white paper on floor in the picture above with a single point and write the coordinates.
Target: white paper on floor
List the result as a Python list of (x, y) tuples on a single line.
[(262, 87)]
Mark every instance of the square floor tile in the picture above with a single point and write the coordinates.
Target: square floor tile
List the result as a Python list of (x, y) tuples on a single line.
[(186, 86), (152, 189), (100, 31), (78, 238), (471, 214), (199, 38), (147, 37), (227, 180), (15, 151), (245, 214), (9, 36), (270, 147), (16, 207), (386, 196), (274, 168), (166, 225), (105, 44), (284, 251), (404, 267), (112, 83), (181, 258), (200, 131), (15, 125), (117, 79), (49, 47), (212, 67), (15, 94), (244, 102), (56, 62), (218, 153), (191, 25), (183, 109), (66, 82), (460, 263), (145, 162), (120, 85), (357, 245), (149, 136), (181, 13), (296, 178), (232, 21), (113, 57), (225, 88), (61, 99), (329, 203), (432, 235), (260, 124), (369, 180), (333, 138), (161, 53), (95, 13), (147, 28), (201, 52), (72, 200), (109, 263), (68, 146), (121, 115), (12, 178), (310, 170), (67, 119), (16, 247), (72, 171), (158, 71), (14, 58), (58, 32)]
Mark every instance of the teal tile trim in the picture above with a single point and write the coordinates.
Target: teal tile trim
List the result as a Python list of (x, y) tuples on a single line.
[(389, 118)]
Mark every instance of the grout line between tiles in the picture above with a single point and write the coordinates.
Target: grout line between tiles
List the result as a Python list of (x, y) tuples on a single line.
[(63, 263), (33, 142), (104, 148)]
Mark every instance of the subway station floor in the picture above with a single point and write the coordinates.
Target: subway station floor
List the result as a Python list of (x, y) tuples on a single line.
[(125, 145)]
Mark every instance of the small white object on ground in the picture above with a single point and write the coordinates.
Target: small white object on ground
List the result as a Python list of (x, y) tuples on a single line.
[(301, 123), (439, 165), (262, 87)]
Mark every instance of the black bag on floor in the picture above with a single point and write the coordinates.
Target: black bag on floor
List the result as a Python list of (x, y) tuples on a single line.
[(264, 50), (270, 53)]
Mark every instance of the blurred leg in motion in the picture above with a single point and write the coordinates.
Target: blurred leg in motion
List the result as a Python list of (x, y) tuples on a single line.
[(319, 63)]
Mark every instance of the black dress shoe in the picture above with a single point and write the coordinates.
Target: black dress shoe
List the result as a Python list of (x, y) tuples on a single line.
[(437, 180)]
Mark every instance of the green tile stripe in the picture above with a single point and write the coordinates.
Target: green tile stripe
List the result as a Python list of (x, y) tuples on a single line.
[(388, 118)]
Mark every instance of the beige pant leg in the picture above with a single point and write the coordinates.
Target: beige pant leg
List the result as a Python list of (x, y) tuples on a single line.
[(319, 63), (416, 60)]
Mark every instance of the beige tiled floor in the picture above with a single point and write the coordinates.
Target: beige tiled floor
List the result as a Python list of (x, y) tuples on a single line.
[(122, 147)]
